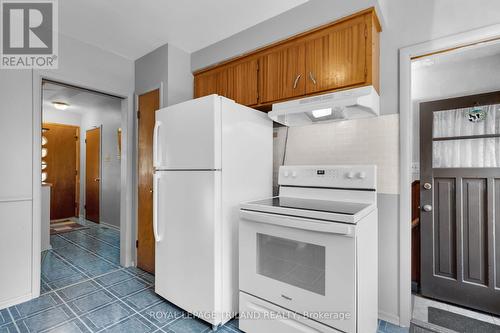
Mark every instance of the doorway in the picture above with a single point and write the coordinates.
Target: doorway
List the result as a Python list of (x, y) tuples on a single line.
[(455, 101), (460, 228), (148, 103), (81, 164)]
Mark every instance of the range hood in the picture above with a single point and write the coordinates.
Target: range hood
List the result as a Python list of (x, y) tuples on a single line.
[(354, 103)]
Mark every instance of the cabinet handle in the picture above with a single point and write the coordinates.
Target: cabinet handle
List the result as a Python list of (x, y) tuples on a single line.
[(296, 81), (311, 76)]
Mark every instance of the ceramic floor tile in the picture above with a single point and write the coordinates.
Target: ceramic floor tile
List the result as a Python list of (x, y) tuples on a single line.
[(143, 299), (9, 328), (114, 277), (54, 268), (4, 317), (163, 313), (107, 316), (386, 327), (128, 287), (134, 324), (188, 325), (78, 290), (57, 242), (45, 320), (91, 302), (34, 306), (74, 326), (67, 281)]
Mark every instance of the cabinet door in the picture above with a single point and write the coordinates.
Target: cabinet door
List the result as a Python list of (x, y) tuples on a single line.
[(242, 82), (336, 57), (206, 83), (282, 73)]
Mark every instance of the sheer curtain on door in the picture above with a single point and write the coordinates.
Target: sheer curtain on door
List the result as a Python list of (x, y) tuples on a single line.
[(466, 153)]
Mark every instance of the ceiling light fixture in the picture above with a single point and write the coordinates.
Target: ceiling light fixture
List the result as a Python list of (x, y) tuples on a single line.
[(60, 105)]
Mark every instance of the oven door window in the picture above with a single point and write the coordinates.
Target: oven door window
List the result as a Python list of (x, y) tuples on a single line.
[(292, 262)]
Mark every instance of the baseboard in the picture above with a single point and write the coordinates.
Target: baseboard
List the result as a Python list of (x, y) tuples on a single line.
[(388, 317), (15, 301), (112, 226)]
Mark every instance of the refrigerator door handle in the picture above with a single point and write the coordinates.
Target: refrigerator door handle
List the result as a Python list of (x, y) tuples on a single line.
[(156, 193), (156, 141)]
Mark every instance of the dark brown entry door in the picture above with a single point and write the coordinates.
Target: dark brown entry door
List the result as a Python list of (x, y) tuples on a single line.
[(148, 104), (460, 200), (62, 165), (92, 174)]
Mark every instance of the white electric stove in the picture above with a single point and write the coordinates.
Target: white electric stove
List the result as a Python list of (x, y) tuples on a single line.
[(308, 258)]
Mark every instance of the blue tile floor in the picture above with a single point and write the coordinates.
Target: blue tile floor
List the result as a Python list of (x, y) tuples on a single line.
[(84, 289)]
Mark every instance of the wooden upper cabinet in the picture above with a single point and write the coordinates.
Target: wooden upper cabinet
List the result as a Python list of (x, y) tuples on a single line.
[(282, 72), (340, 55), (237, 82), (336, 57), (206, 83), (242, 82)]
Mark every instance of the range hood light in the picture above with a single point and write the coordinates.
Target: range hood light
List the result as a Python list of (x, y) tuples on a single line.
[(319, 113)]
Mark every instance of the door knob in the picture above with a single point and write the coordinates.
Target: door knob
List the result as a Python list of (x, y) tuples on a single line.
[(427, 186), (428, 208), (97, 179)]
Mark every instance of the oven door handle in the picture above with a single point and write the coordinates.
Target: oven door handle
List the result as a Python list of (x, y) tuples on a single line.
[(298, 223)]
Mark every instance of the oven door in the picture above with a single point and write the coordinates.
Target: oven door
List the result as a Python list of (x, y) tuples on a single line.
[(306, 266)]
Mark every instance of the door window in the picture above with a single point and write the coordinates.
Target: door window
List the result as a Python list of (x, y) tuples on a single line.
[(467, 137), (292, 262)]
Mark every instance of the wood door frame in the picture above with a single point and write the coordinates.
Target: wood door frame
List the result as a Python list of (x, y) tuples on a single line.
[(127, 166), (136, 157), (84, 173), (406, 55), (78, 156)]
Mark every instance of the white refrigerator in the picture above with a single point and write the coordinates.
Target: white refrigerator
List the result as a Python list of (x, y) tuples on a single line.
[(209, 155)]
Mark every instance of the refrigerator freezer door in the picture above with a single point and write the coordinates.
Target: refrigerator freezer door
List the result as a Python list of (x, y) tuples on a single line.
[(188, 135), (188, 260)]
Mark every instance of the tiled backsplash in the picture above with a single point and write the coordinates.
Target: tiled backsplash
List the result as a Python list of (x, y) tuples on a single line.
[(362, 141)]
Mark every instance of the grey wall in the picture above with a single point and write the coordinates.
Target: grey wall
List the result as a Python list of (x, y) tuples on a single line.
[(151, 70), (180, 79), (109, 119)]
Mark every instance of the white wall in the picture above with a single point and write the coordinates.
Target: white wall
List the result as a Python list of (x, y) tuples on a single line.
[(404, 22), (82, 65), (52, 115)]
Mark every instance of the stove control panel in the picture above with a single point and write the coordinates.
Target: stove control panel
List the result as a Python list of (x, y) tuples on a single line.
[(329, 176)]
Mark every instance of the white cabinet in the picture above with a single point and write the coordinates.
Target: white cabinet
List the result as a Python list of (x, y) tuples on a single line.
[(15, 252)]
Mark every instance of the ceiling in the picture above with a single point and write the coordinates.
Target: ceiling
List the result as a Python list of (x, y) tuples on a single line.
[(79, 100), (464, 54), (133, 28)]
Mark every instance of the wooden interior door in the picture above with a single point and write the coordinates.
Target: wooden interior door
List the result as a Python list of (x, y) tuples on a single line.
[(459, 198), (148, 104), (337, 57), (62, 169), (92, 174), (282, 73)]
